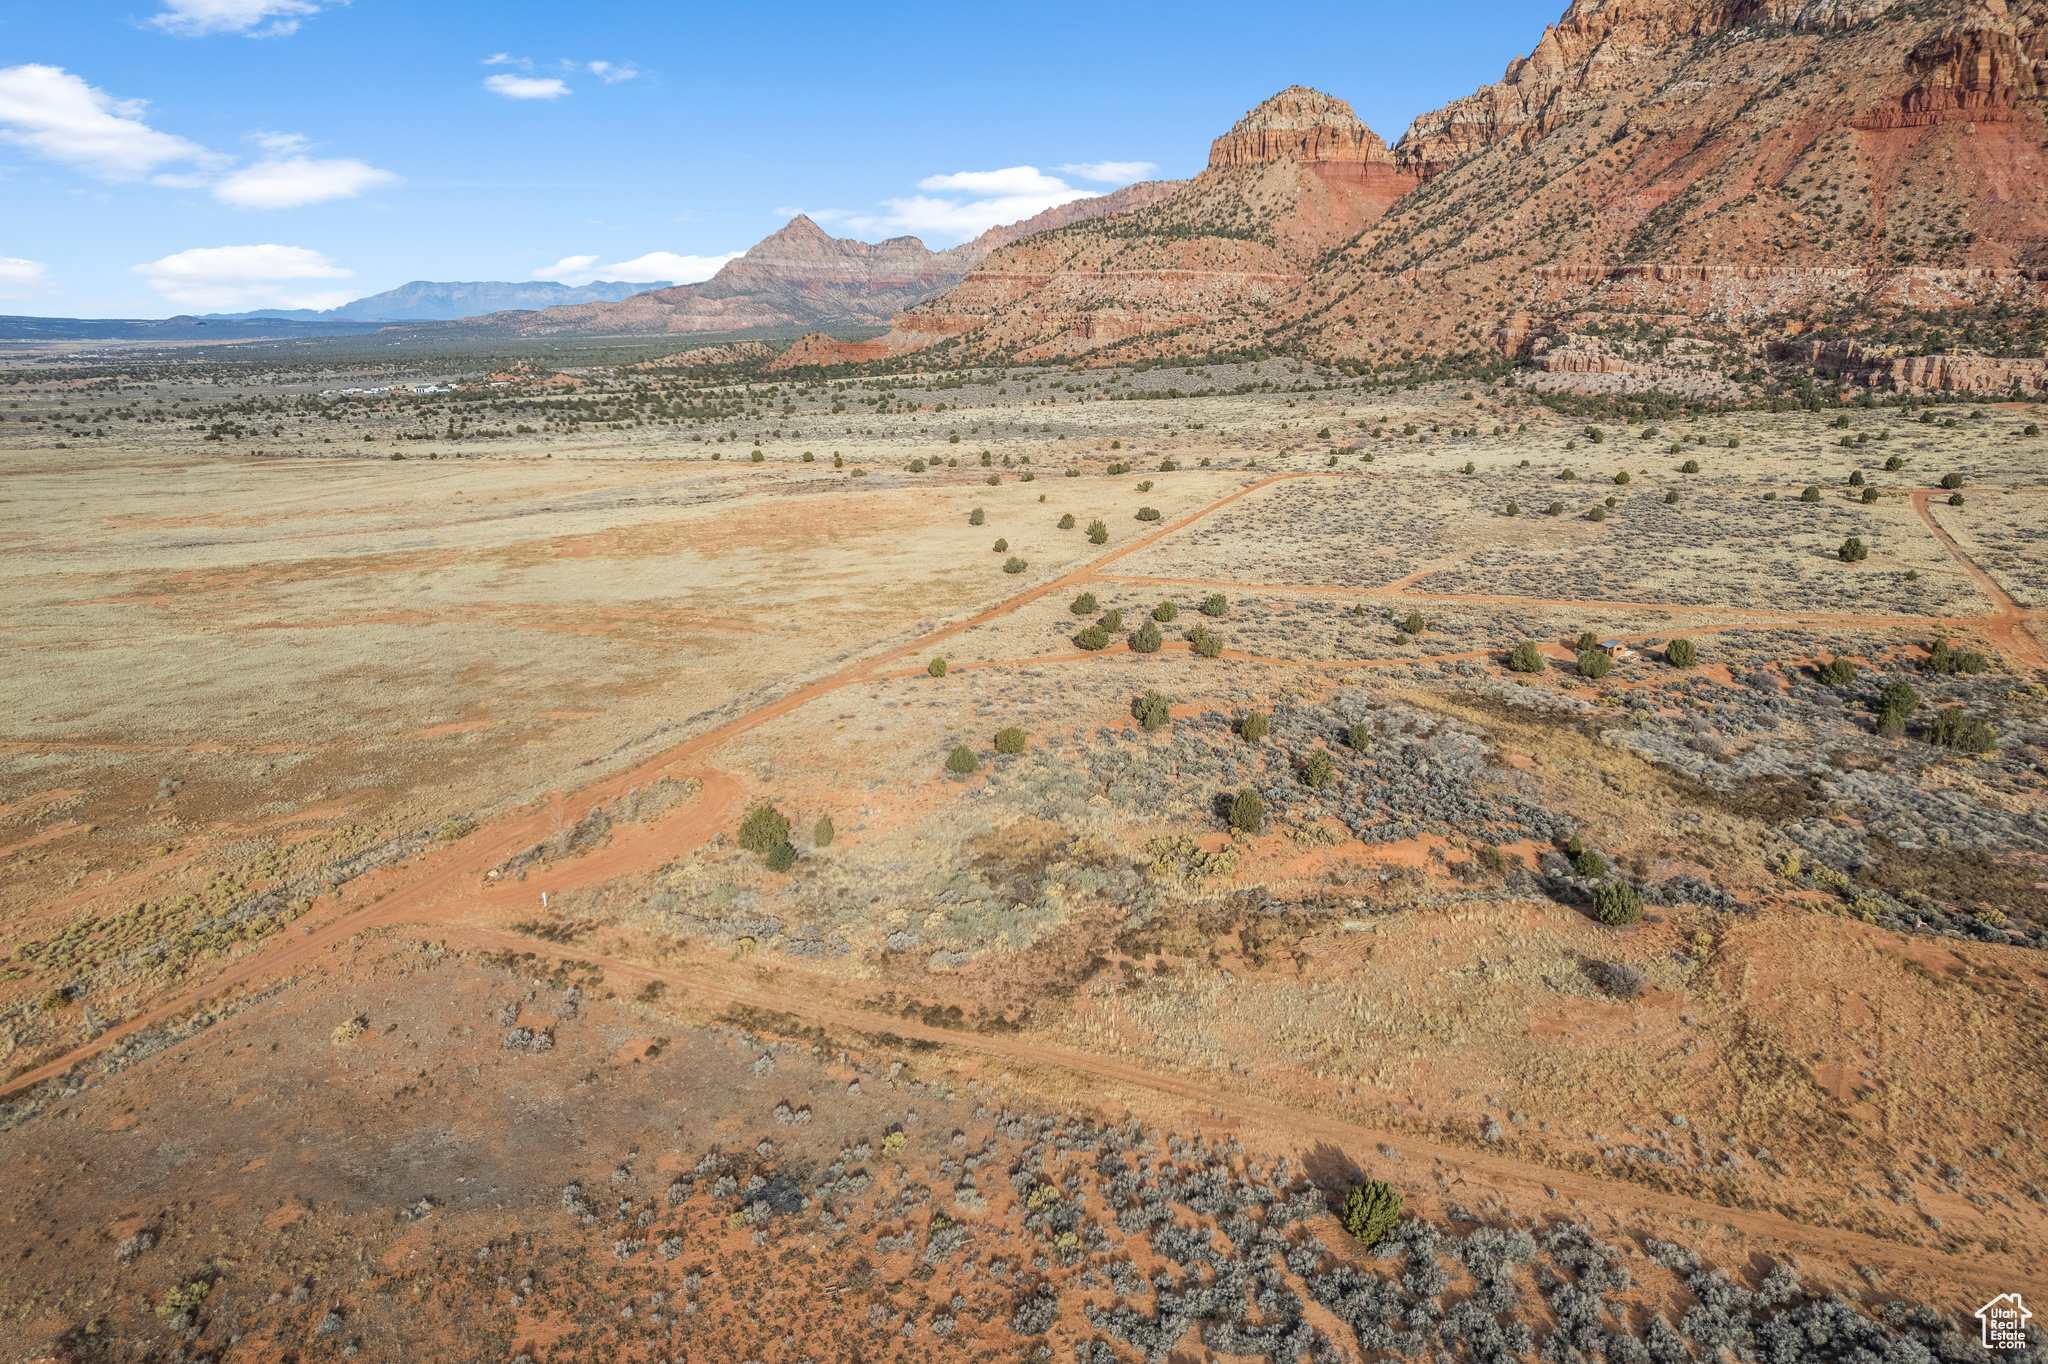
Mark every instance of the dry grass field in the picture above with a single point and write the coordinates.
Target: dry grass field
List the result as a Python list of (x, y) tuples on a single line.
[(316, 761)]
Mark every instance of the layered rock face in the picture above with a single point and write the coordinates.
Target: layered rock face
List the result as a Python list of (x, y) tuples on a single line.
[(1294, 177), (1727, 170), (1721, 171), (803, 276)]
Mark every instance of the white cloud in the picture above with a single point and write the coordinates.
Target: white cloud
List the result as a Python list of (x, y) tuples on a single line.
[(197, 18), (240, 278), (505, 59), (52, 112), (525, 87), (612, 73), (640, 270), (19, 276), (295, 181), (56, 114), (1111, 172), (999, 196)]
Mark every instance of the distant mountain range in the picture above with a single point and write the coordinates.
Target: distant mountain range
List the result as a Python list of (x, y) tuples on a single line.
[(426, 300)]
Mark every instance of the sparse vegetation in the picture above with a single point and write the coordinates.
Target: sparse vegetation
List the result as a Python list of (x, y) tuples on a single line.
[(1370, 1211), (763, 830), (1165, 612), (1216, 604), (1009, 739), (1247, 812), (1617, 903), (961, 761), (1083, 605), (1525, 659), (1254, 727), (1953, 727), (1151, 711)]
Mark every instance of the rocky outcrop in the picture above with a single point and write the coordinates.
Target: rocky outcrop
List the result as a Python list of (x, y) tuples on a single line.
[(1885, 369), (1300, 124), (1293, 178)]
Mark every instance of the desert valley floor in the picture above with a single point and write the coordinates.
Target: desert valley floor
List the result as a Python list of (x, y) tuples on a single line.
[(385, 974)]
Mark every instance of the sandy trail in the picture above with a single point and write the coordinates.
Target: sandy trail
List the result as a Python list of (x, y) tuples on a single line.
[(1515, 1179), (2008, 626)]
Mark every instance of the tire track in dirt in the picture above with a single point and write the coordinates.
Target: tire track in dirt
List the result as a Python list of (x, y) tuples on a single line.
[(1502, 1173), (2008, 625)]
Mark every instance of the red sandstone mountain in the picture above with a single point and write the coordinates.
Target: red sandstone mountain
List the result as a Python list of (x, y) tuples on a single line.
[(802, 276), (1294, 178), (1728, 172)]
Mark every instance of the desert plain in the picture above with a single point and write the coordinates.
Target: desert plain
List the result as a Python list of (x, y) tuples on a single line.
[(397, 965)]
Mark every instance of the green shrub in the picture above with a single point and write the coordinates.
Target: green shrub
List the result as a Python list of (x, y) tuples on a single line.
[(1370, 1212), (1595, 434), (1947, 661), (1098, 533), (1470, 467), (1954, 727), (1671, 497), (1207, 643), (1067, 521), (993, 480), (1567, 476), (1853, 550), (1152, 711), (1359, 737), (1148, 639), (1838, 672), (1014, 565), (1618, 904), (1554, 509), (1028, 477), (1400, 638), (1594, 664), (1165, 612), (763, 830), (757, 457), (1951, 480), (1146, 486), (1010, 740), (1691, 466), (781, 857), (917, 466), (1216, 604), (1899, 695), (1955, 499), (1870, 495), (1589, 864), (1894, 464), (1525, 659), (937, 667), (1093, 637), (453, 829), (1084, 604), (1597, 514), (1113, 620), (1318, 770), (183, 1300), (1073, 473), (1811, 494), (1856, 478), (1415, 624), (1622, 477), (1514, 509), (1254, 727), (962, 760), (1148, 513), (822, 832), (1587, 639), (1680, 653), (1002, 546), (1247, 812), (1734, 442), (977, 517)]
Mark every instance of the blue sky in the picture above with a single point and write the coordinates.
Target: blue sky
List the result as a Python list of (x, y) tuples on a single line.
[(164, 156)]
